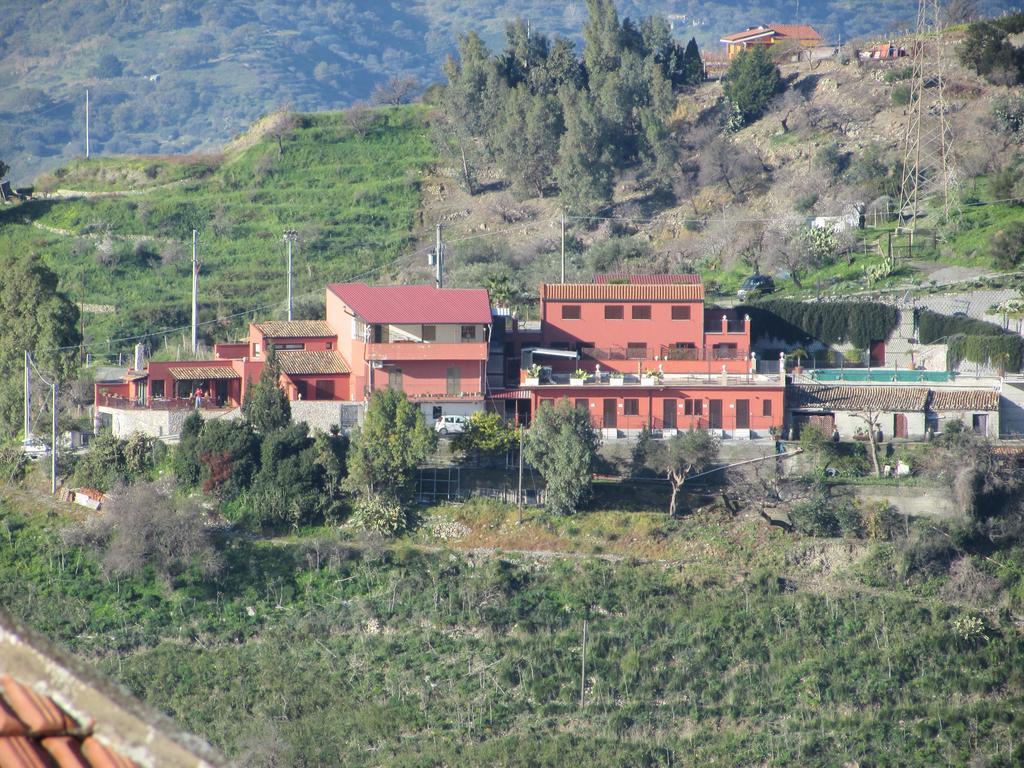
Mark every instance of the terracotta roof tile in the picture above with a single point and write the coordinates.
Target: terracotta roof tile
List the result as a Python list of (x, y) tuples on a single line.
[(863, 398), (293, 329), (414, 303), (311, 363), (623, 277), (620, 292), (196, 373), (36, 733), (964, 400)]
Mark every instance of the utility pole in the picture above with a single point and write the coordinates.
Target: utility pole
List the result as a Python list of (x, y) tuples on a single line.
[(195, 291), (519, 495), (28, 399), (583, 668), (53, 440), (289, 237), (86, 123), (563, 246), (439, 259)]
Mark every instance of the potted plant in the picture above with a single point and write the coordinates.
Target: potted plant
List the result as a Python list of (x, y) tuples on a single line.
[(617, 378), (533, 375), (651, 377), (578, 377)]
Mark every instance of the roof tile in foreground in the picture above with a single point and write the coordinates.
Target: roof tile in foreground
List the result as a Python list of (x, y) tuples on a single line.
[(295, 329), (414, 303), (311, 363), (55, 712), (625, 277)]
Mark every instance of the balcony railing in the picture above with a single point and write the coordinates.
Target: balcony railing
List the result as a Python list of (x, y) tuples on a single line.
[(411, 350), (159, 403), (664, 352)]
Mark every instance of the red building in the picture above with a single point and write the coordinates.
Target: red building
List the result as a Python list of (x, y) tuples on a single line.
[(430, 343), (644, 351)]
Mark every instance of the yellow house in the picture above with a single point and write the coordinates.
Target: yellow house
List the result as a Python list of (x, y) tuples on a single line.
[(805, 36)]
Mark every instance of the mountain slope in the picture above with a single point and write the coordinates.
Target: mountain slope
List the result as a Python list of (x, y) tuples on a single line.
[(177, 76)]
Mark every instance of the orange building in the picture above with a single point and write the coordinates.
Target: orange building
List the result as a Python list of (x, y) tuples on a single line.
[(803, 35), (644, 351)]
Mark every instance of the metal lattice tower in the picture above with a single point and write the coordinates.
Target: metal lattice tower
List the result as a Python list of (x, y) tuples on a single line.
[(929, 172)]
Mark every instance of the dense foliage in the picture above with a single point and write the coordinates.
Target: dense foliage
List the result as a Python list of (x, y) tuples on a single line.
[(751, 82), (858, 323), (562, 445), (987, 49), (1004, 352)]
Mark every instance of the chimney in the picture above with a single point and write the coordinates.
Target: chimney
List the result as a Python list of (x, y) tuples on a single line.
[(140, 357)]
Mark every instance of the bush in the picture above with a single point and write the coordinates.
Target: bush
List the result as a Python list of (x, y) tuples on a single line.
[(901, 95), (815, 517), (897, 74), (926, 552), (1008, 112), (1007, 247), (379, 513), (798, 322), (750, 84), (110, 461), (13, 463)]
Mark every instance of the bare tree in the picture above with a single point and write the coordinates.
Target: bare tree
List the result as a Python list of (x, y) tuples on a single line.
[(396, 90), (871, 418), (762, 487), (360, 117), (724, 162), (282, 124), (683, 456)]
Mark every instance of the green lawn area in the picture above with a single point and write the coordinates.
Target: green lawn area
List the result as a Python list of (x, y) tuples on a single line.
[(352, 198)]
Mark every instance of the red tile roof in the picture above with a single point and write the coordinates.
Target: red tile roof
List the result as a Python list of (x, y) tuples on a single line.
[(296, 329), (858, 398), (36, 733), (621, 292), (311, 363), (748, 33), (964, 400), (623, 277), (414, 303), (801, 32)]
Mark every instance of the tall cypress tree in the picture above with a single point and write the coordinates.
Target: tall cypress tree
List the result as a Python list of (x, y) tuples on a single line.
[(693, 67)]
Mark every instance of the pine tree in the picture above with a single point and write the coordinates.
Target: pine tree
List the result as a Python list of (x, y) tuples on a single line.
[(750, 83), (693, 66), (529, 141), (602, 41), (584, 170), (266, 406)]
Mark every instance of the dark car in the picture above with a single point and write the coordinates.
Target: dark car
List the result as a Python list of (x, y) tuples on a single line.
[(756, 285)]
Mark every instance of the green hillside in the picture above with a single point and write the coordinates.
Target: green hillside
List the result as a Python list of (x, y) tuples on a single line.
[(351, 197)]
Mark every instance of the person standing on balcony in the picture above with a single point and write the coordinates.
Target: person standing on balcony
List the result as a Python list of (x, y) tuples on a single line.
[(199, 397)]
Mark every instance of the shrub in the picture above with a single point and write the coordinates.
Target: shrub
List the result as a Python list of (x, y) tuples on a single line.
[(379, 513), (110, 461), (897, 74), (901, 95), (815, 517), (1007, 247), (13, 463), (801, 323), (926, 552), (1008, 112), (750, 84), (881, 521)]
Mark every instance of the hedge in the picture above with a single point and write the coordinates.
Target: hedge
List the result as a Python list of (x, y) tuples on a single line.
[(1004, 351), (933, 327), (798, 322)]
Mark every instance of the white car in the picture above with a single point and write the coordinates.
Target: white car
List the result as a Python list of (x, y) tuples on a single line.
[(35, 449), (451, 425)]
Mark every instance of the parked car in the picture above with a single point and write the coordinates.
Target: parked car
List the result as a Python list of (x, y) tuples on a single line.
[(756, 285), (451, 425), (34, 449)]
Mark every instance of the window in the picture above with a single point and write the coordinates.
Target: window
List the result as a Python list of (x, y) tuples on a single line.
[(636, 350), (631, 406), (255, 349), (641, 312), (453, 376), (300, 389), (429, 333), (329, 345), (157, 386), (726, 352), (766, 407), (583, 404), (286, 347), (570, 311), (469, 333), (436, 412), (325, 389), (395, 378), (680, 312), (613, 312), (693, 407)]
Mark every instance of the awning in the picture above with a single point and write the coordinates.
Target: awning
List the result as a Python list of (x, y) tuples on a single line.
[(545, 352), (200, 373), (511, 394)]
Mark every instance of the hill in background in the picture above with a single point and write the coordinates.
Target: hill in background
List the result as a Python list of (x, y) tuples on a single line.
[(177, 76)]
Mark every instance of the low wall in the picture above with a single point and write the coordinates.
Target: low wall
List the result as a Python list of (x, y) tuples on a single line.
[(324, 414), (913, 500)]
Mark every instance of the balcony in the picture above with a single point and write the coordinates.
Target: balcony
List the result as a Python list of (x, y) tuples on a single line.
[(160, 404), (399, 351), (607, 379)]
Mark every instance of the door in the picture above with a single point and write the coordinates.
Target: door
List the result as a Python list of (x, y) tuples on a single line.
[(899, 425), (222, 391), (715, 414), (877, 354), (325, 389), (610, 420), (979, 423), (742, 414), (668, 414)]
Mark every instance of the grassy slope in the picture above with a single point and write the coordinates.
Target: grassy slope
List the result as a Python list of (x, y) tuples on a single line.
[(352, 199), (320, 652)]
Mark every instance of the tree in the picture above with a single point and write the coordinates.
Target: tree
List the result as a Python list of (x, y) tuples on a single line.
[(185, 461), (486, 433), (872, 419), (693, 64), (36, 317), (683, 455), (143, 526), (330, 450), (229, 456), (562, 445), (360, 117), (528, 140), (986, 49), (750, 84), (108, 66), (110, 461), (584, 169), (266, 405), (396, 90), (1007, 246), (393, 440), (4, 169), (602, 41), (282, 124), (288, 484)]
